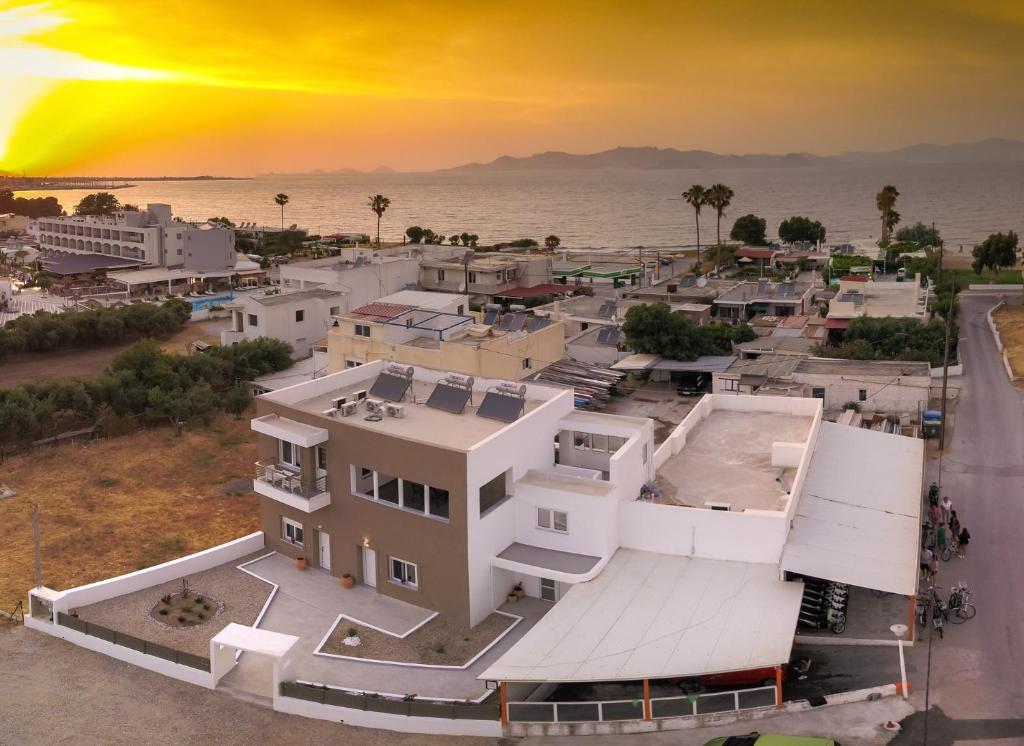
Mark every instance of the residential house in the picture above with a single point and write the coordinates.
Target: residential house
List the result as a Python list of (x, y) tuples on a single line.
[(435, 330), (858, 296), (300, 318), (748, 299), (484, 275)]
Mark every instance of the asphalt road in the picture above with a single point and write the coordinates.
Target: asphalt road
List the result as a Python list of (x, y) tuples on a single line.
[(977, 669)]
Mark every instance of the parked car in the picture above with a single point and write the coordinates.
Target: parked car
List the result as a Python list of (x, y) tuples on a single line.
[(694, 384), (768, 739)]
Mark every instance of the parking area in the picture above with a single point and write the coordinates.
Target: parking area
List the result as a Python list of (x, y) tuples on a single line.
[(657, 400)]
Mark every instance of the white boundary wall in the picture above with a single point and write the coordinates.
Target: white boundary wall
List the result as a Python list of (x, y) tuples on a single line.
[(102, 590)]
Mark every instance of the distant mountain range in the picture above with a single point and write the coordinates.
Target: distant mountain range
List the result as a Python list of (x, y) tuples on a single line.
[(991, 150)]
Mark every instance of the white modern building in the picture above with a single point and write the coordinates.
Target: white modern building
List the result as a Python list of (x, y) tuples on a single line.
[(300, 318), (151, 235)]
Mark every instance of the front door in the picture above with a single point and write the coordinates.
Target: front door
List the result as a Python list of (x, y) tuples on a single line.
[(548, 589), (325, 551), (370, 567)]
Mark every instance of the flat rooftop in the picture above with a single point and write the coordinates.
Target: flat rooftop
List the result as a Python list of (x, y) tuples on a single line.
[(728, 459), (281, 299), (832, 366), (420, 423)]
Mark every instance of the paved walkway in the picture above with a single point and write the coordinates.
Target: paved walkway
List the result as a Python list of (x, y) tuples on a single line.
[(308, 603)]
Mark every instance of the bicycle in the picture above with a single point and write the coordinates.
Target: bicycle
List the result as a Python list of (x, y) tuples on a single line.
[(960, 607)]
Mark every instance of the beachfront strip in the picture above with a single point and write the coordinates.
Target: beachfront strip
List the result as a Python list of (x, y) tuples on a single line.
[(441, 497)]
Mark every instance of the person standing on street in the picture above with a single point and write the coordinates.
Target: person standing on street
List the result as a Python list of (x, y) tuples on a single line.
[(941, 536), (965, 539), (947, 508), (926, 562)]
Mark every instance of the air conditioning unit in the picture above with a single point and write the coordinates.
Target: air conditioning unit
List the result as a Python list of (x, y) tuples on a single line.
[(340, 401), (357, 395), (329, 412), (395, 410), (349, 408), (376, 406), (717, 506)]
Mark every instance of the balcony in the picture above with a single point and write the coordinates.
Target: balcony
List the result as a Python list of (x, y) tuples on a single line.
[(284, 484)]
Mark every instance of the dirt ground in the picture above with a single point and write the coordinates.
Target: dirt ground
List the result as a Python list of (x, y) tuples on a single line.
[(92, 362), (112, 506), (1010, 324), (55, 692), (438, 642)]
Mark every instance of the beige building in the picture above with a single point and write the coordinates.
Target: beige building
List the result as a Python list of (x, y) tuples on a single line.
[(484, 274), (11, 222), (433, 330)]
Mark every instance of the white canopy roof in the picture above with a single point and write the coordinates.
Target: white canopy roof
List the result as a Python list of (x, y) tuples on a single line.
[(255, 640), (651, 615), (858, 520), (282, 428)]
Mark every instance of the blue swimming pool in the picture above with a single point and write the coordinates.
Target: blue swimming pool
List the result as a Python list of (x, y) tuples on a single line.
[(204, 303)]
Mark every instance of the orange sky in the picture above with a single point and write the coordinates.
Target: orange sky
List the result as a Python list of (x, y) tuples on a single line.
[(228, 87)]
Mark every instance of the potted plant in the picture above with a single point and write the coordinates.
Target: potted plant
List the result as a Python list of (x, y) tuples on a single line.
[(347, 581), (512, 597), (300, 563), (518, 590)]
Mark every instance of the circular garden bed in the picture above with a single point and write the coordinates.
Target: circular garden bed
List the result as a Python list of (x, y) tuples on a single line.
[(188, 609)]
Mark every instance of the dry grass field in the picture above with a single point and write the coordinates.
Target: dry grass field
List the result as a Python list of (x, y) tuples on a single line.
[(117, 505), (1010, 323)]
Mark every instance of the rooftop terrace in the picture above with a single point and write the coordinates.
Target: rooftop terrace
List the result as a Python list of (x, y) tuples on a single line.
[(747, 460)]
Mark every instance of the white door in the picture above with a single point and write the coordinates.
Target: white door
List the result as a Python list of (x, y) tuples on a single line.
[(370, 567), (325, 551), (548, 589)]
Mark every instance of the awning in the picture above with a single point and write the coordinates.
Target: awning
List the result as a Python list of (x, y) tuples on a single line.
[(649, 615), (859, 517), (638, 361), (535, 291), (291, 431), (253, 640), (704, 364), (837, 323)]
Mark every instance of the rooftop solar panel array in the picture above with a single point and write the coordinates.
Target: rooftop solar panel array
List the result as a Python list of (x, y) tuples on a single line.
[(607, 309), (449, 398), (490, 317), (501, 407), (609, 335), (536, 324), (389, 387)]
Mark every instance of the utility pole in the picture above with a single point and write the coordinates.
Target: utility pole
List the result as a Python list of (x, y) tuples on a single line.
[(945, 368), (38, 548)]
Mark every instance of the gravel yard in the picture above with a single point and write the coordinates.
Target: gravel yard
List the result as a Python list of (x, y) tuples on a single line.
[(438, 642), (55, 692), (242, 597)]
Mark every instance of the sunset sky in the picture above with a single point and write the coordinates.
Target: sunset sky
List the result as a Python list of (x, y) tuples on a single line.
[(228, 87)]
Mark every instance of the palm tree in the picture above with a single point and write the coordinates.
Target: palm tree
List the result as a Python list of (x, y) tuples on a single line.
[(282, 200), (719, 196), (379, 204), (696, 197), (885, 200)]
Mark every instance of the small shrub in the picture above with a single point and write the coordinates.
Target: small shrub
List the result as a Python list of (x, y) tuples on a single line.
[(166, 598), (201, 615), (439, 649), (206, 607), (181, 620), (107, 481), (199, 599), (187, 609), (163, 612), (352, 632), (465, 639)]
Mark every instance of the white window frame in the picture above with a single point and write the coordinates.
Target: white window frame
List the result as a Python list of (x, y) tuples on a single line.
[(440, 275), (403, 581), (549, 584), (527, 363), (293, 449), (547, 520), (351, 362), (374, 494), (288, 523), (363, 330), (730, 384)]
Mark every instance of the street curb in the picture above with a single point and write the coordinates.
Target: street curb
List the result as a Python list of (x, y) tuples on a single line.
[(999, 342), (849, 641)]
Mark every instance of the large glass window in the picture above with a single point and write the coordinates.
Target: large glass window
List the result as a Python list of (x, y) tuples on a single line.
[(438, 502), (414, 496), (493, 493), (289, 454), (553, 520), (362, 482), (387, 488)]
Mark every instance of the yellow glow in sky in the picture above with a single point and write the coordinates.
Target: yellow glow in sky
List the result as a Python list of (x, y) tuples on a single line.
[(232, 87)]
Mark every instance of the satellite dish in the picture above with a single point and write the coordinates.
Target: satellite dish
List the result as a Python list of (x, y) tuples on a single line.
[(702, 282)]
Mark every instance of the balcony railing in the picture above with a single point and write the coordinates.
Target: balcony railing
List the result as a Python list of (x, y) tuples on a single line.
[(285, 478)]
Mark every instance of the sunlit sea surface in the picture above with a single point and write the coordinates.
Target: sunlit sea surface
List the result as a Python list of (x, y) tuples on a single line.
[(609, 208)]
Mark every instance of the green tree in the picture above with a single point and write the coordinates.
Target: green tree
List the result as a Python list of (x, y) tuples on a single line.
[(799, 228), (281, 199), (99, 203), (415, 233), (226, 222), (428, 236), (719, 197), (923, 235), (552, 242), (130, 207), (889, 338), (885, 201), (473, 238), (656, 329), (696, 197), (453, 239), (379, 205), (749, 229), (994, 253), (465, 238)]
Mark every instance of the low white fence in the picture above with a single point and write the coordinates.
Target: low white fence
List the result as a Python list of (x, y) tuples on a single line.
[(633, 709)]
